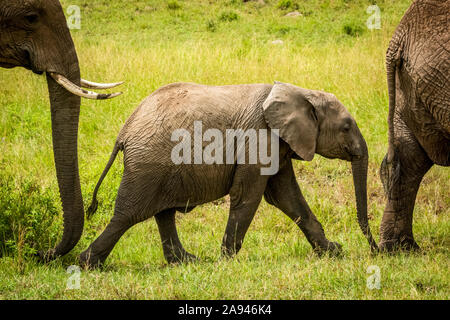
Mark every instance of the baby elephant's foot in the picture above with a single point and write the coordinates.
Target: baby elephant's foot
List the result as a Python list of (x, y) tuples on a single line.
[(332, 248), (180, 256), (45, 256), (88, 260)]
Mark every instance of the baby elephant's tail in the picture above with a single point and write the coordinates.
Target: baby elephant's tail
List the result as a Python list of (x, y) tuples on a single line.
[(94, 204)]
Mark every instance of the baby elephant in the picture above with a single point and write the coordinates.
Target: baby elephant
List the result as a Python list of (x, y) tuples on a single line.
[(188, 144)]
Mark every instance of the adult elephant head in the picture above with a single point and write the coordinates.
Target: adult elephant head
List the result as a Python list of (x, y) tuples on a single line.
[(34, 35)]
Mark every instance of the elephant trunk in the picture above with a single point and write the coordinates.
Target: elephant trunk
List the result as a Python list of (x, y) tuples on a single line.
[(359, 169), (65, 110)]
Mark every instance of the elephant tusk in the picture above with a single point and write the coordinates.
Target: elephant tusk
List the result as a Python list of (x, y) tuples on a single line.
[(94, 85), (76, 90)]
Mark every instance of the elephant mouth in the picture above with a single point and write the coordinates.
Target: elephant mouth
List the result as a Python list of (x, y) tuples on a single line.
[(30, 65), (351, 155), (9, 63), (32, 69), (38, 72), (347, 154)]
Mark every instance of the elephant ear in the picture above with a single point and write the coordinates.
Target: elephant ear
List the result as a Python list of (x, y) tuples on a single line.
[(291, 110)]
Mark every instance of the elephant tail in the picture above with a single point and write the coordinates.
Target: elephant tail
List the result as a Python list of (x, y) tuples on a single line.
[(393, 62), (391, 66), (94, 204), (394, 58)]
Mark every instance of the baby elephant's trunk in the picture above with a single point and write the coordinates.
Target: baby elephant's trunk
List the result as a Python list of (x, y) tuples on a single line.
[(359, 168)]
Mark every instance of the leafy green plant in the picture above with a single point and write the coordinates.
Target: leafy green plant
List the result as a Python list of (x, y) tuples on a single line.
[(173, 5), (211, 25), (278, 29), (352, 29), (228, 16), (28, 217), (287, 4)]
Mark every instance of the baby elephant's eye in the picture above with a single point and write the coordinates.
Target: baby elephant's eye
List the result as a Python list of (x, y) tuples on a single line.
[(346, 125), (345, 128)]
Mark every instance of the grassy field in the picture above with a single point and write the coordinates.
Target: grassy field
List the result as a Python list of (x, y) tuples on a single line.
[(152, 43)]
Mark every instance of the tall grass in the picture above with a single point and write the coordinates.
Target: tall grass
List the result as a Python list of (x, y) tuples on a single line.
[(149, 44)]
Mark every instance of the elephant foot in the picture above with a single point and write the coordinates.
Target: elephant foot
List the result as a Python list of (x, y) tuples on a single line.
[(87, 260), (46, 256), (399, 244), (180, 256), (229, 252), (332, 248)]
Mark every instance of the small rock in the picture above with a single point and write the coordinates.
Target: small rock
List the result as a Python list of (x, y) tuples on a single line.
[(278, 41), (293, 14)]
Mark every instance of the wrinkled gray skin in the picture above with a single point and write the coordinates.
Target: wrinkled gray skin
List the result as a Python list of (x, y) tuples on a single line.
[(34, 35), (309, 121), (418, 69)]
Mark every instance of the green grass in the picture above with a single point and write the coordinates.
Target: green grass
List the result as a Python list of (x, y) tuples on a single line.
[(152, 43)]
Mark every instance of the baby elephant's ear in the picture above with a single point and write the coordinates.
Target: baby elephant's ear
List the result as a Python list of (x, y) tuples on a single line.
[(288, 109)]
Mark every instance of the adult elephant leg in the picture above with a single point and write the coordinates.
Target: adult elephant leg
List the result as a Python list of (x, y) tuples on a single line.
[(245, 195), (401, 180), (283, 192), (172, 247)]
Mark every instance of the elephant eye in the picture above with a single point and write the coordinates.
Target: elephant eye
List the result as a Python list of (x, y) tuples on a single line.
[(346, 128), (313, 114), (32, 18)]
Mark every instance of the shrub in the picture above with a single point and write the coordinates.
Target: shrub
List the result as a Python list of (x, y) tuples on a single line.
[(228, 16), (287, 4), (173, 5), (353, 29), (211, 26), (28, 217), (278, 29)]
